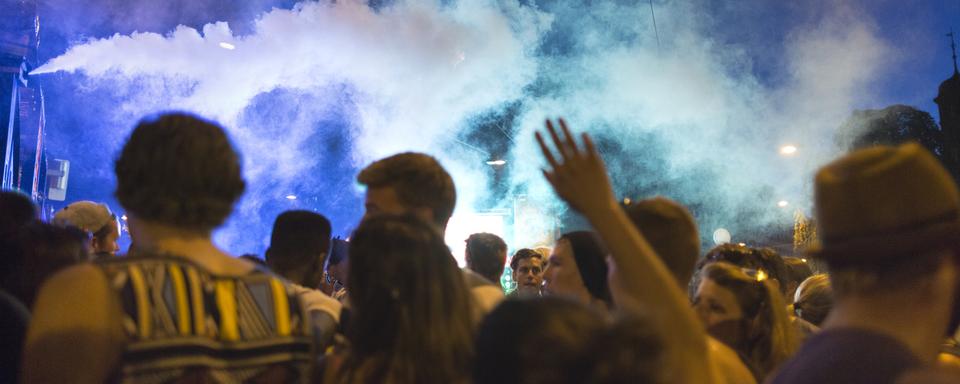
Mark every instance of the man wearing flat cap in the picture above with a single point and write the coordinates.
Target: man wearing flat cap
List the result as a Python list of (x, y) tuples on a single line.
[(889, 226), (96, 220)]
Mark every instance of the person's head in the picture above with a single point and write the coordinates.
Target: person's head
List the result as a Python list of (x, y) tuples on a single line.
[(754, 259), (409, 183), (179, 172), (17, 210), (813, 299), (747, 314), (797, 270), (298, 247), (338, 263), (671, 231), (889, 228), (578, 268), (539, 340), (94, 219), (411, 315), (527, 266), (41, 250), (486, 254)]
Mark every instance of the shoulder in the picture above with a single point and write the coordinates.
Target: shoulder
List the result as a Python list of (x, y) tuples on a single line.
[(726, 364), (847, 355), (315, 300)]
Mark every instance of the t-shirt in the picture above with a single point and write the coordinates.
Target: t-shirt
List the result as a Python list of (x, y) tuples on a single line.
[(185, 323), (848, 356), (314, 300), (486, 295)]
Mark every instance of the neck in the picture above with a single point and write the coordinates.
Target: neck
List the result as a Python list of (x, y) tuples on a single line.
[(161, 238), (916, 322)]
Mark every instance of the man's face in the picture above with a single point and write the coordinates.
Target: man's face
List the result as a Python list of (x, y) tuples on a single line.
[(529, 274), (385, 200), (107, 243)]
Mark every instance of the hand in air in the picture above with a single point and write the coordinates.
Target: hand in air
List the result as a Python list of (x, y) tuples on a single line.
[(578, 175)]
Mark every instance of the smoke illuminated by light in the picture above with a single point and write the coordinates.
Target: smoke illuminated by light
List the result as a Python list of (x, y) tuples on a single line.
[(688, 117)]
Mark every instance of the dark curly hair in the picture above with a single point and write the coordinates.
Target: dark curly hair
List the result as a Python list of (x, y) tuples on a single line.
[(181, 170), (419, 181)]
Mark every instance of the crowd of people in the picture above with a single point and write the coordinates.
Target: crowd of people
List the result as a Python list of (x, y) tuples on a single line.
[(630, 301)]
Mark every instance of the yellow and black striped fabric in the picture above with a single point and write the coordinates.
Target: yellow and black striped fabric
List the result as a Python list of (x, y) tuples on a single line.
[(185, 324)]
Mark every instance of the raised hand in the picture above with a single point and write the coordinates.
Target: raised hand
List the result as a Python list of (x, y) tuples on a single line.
[(578, 175)]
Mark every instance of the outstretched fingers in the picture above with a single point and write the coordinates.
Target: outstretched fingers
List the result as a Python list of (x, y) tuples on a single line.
[(547, 153)]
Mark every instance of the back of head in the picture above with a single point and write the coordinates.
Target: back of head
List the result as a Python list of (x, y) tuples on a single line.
[(299, 240), (548, 339), (671, 231), (814, 299), (769, 339), (739, 255), (629, 351), (42, 250), (418, 180), (591, 258), (486, 255), (339, 249), (17, 211), (179, 170), (797, 270), (534, 340), (411, 319), (885, 216)]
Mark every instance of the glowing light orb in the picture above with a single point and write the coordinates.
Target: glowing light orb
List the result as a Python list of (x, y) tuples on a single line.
[(227, 46), (721, 236), (788, 150), (783, 203), (496, 162), (291, 197)]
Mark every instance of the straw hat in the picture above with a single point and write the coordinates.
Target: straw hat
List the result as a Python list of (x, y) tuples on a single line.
[(884, 203)]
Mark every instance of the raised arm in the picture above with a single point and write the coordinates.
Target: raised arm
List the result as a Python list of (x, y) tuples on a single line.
[(579, 177)]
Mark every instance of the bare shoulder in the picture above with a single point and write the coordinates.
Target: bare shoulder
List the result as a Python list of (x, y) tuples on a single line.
[(75, 334), (727, 364)]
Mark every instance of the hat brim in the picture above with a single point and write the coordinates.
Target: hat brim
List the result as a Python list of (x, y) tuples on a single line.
[(879, 248)]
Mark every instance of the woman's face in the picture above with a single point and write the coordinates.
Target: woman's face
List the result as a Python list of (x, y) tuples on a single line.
[(715, 304), (562, 276)]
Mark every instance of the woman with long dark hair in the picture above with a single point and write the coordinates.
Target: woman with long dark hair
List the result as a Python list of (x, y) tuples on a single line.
[(578, 269), (411, 319)]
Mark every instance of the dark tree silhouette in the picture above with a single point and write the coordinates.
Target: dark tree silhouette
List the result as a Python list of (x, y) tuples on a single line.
[(894, 125)]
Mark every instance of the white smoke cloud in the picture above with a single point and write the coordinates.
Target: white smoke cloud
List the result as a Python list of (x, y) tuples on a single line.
[(416, 72)]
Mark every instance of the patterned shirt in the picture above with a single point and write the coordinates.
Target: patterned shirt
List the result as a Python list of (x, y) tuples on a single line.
[(186, 324)]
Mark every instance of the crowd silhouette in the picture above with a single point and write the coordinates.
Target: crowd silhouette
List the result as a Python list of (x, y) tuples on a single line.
[(630, 301)]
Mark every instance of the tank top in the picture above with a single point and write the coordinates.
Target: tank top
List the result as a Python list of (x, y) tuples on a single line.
[(185, 324)]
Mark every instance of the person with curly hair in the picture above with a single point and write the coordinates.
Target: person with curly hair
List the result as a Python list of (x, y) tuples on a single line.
[(177, 308)]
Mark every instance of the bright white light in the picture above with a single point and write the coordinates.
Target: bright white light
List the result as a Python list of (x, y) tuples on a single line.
[(782, 203), (742, 244), (124, 217), (788, 150), (227, 46), (291, 197), (496, 162), (721, 236), (461, 226)]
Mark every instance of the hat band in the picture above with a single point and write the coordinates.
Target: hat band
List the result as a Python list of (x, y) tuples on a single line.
[(953, 215)]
